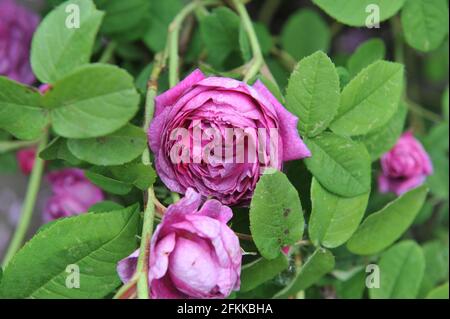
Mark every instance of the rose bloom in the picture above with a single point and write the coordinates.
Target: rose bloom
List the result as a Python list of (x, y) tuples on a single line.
[(25, 157), (405, 166), (17, 25), (193, 253), (73, 194), (218, 105)]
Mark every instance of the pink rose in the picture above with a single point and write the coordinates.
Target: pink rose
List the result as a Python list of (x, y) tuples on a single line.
[(72, 194), (405, 166), (193, 253), (17, 25), (25, 157), (201, 120)]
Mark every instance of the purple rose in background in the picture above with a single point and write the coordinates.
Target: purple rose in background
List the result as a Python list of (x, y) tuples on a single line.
[(261, 128), (349, 41), (193, 253), (405, 166), (72, 194), (17, 25)]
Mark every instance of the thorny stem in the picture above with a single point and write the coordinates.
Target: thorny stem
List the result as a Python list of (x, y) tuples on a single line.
[(174, 35), (258, 60), (29, 202)]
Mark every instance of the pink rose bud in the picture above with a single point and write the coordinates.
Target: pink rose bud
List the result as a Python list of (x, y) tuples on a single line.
[(25, 157), (17, 25), (73, 194), (405, 166), (218, 135), (193, 253)]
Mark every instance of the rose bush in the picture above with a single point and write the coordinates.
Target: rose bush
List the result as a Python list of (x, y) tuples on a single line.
[(193, 253), (255, 177)]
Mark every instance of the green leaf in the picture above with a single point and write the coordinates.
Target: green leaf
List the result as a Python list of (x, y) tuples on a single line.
[(436, 266), (445, 103), (304, 33), (341, 165), (370, 99), (425, 23), (124, 18), (379, 230), (316, 266), (333, 218), (105, 206), (100, 176), (313, 93), (57, 149), (220, 33), (116, 148), (276, 217), (440, 292), (260, 271), (56, 49), (161, 15), (353, 287), (137, 174), (356, 12), (401, 270), (367, 53), (93, 242), (344, 76), (85, 105), (20, 110), (383, 139)]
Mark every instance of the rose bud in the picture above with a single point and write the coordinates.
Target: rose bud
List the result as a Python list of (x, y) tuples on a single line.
[(25, 157), (17, 25), (218, 135), (193, 253), (73, 194), (405, 166)]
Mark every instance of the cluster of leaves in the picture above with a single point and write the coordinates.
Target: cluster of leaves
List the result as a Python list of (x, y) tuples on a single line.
[(327, 208)]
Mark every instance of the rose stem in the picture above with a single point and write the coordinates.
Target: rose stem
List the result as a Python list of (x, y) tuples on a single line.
[(7, 146), (268, 10), (28, 205), (174, 34), (258, 59), (108, 52)]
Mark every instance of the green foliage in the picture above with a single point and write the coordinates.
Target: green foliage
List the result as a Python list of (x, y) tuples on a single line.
[(367, 53), (57, 49), (116, 148), (78, 102), (355, 12), (261, 270), (379, 230), (334, 218), (93, 242), (304, 33), (401, 271), (313, 93), (276, 216), (21, 112), (423, 23), (220, 34), (370, 99), (316, 266), (341, 165)]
